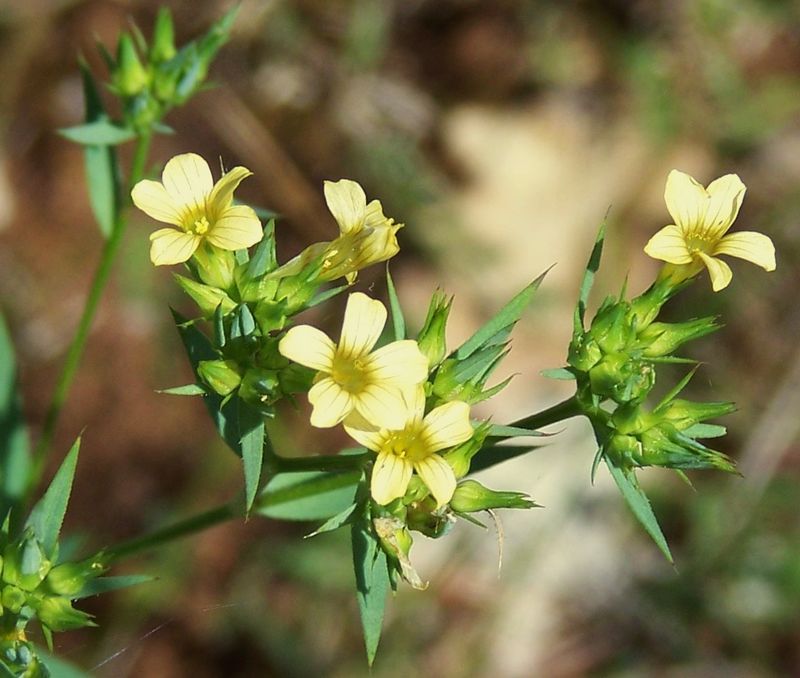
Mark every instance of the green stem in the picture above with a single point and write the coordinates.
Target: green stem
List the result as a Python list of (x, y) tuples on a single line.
[(338, 462), (78, 344), (566, 409)]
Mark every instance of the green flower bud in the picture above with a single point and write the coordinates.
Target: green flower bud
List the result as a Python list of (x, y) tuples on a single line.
[(664, 445), (460, 457), (423, 517), (584, 353), (271, 315), (618, 377), (683, 414), (631, 418), (431, 339), (260, 386), (25, 564), (58, 614), (130, 76), (68, 579), (215, 267), (223, 376), (13, 599), (163, 46), (660, 339), (470, 496), (206, 297), (624, 450), (611, 328)]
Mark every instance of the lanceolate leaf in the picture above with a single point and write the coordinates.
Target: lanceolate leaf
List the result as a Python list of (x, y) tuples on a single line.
[(640, 505), (251, 442), (48, 513), (307, 495), (98, 132), (100, 585), (372, 585), (339, 520), (592, 267), (506, 318), (398, 321), (14, 443)]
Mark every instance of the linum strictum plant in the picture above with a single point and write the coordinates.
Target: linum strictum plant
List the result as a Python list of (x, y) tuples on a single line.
[(405, 398)]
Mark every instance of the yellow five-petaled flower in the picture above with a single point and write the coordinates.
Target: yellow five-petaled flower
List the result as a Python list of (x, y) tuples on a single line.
[(414, 447), (702, 219), (353, 377), (188, 198)]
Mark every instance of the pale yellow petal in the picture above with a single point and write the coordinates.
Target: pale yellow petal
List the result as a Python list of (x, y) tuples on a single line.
[(686, 200), (382, 406), (363, 432), (331, 403), (169, 246), (390, 477), (725, 197), (152, 198), (187, 179), (347, 202), (719, 271), (399, 363), (236, 229), (754, 247), (669, 245), (221, 195), (308, 346), (363, 323), (374, 216), (438, 476), (447, 425)]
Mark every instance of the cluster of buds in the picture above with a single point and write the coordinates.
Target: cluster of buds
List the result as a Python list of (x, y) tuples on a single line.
[(151, 79)]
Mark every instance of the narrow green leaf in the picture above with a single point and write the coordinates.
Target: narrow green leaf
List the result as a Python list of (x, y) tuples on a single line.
[(15, 453), (95, 587), (219, 326), (398, 321), (264, 258), (48, 514), (639, 505), (334, 523), (592, 266), (501, 431), (307, 495), (675, 390), (251, 443), (560, 373), (372, 585), (325, 295), (99, 132), (506, 318), (187, 390)]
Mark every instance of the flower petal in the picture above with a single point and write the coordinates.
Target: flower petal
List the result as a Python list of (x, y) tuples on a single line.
[(669, 245), (187, 179), (438, 476), (447, 425), (750, 246), (308, 346), (399, 363), (363, 323), (347, 202), (382, 406), (363, 432), (390, 477), (331, 403), (725, 197), (686, 200), (719, 271), (152, 198), (221, 195), (170, 246), (237, 228)]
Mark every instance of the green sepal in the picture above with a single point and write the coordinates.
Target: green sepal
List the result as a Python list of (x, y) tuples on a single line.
[(372, 582), (398, 320), (307, 495), (705, 431), (15, 453), (558, 373), (639, 504), (592, 266), (47, 515), (502, 431), (100, 585), (264, 258), (187, 390), (334, 523)]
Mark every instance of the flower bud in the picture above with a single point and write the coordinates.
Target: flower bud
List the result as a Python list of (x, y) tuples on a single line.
[(260, 386), (13, 598), (618, 377), (664, 445), (470, 496), (223, 376), (206, 297), (57, 614), (584, 353), (25, 564), (683, 414), (130, 76), (624, 450), (68, 579), (631, 418), (163, 46), (215, 267), (423, 516), (660, 339), (431, 339), (611, 328), (460, 457)]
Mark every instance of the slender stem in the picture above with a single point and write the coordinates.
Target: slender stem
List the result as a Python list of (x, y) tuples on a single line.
[(75, 352), (182, 528), (338, 462), (566, 409)]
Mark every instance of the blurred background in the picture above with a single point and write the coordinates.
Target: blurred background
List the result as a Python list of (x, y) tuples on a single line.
[(500, 133)]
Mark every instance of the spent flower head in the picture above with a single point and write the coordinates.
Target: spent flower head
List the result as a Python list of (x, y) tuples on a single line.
[(353, 377), (702, 218), (202, 211), (414, 447)]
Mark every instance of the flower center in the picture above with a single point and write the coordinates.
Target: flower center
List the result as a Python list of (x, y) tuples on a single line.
[(200, 226), (350, 373), (407, 444), (700, 242)]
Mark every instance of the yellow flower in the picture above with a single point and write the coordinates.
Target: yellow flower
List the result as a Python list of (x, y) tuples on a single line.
[(188, 198), (702, 218), (414, 447), (353, 377), (366, 236)]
